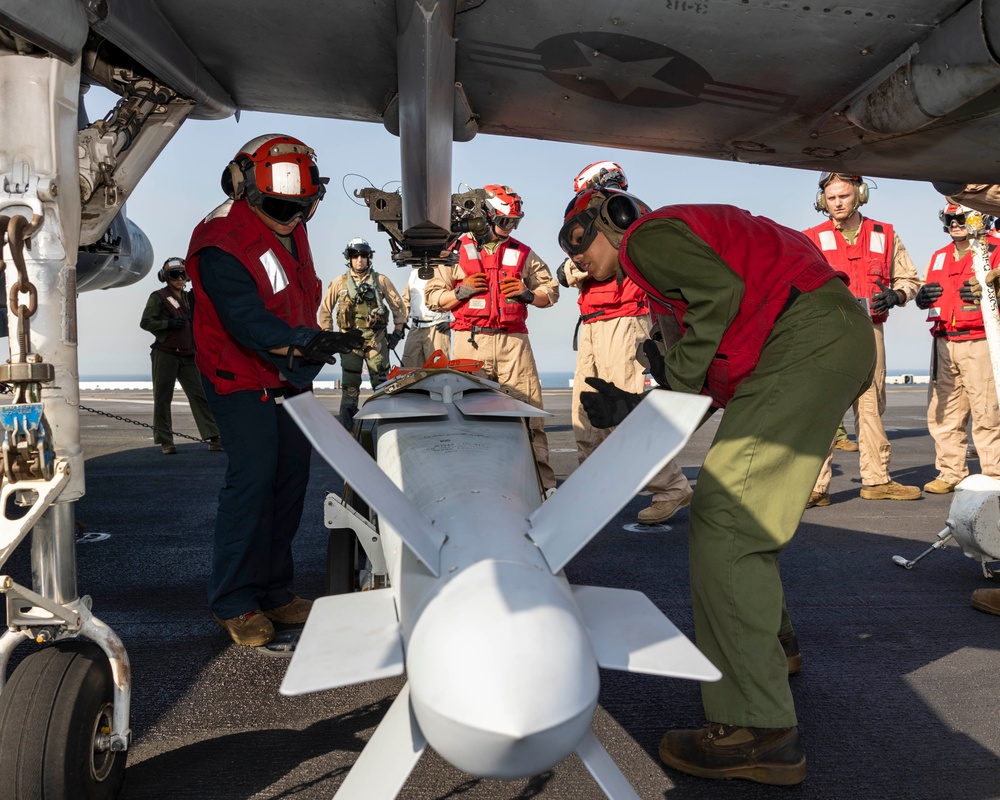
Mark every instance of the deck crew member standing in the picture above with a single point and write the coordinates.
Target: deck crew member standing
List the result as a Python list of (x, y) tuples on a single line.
[(362, 300), (258, 342), (763, 326), (429, 330), (962, 384), (882, 276), (488, 293), (614, 323), (168, 317)]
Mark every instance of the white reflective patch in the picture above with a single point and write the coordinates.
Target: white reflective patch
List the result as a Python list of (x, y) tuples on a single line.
[(173, 302), (221, 211), (477, 302), (877, 244), (285, 179), (938, 262), (828, 240), (275, 272), (510, 257), (471, 251), (933, 313)]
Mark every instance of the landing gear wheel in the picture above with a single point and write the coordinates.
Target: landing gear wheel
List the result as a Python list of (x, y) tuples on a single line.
[(341, 561), (54, 712)]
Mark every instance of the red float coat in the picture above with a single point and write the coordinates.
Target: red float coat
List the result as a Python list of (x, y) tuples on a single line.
[(289, 288), (866, 261), (601, 300), (770, 259), (490, 309), (949, 315)]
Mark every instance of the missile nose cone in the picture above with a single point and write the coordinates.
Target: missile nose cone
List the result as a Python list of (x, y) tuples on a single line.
[(503, 678)]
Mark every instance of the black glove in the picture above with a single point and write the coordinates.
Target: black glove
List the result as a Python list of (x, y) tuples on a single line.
[(882, 301), (176, 324), (657, 364), (443, 327), (930, 292), (968, 293), (561, 275), (609, 405), (322, 347), (394, 338)]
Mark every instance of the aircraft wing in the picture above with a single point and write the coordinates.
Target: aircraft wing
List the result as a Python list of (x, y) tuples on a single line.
[(891, 88)]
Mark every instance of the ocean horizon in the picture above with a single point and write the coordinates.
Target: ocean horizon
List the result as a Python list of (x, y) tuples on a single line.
[(549, 380)]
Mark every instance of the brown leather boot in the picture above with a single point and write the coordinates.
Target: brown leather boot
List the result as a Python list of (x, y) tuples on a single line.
[(294, 612), (765, 755), (252, 629), (818, 499), (987, 600)]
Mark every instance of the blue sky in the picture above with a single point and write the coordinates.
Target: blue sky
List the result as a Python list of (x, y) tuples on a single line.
[(183, 186)]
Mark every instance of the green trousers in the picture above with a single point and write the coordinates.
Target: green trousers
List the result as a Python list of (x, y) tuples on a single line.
[(376, 355), (167, 369), (772, 439)]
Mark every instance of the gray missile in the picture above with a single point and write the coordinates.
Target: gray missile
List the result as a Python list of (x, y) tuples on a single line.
[(500, 651)]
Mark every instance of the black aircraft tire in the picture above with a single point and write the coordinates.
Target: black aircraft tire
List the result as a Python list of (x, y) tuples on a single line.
[(341, 557), (50, 710)]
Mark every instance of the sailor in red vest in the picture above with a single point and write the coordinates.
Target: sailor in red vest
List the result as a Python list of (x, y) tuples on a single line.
[(614, 322), (984, 197), (762, 325), (882, 276), (962, 383), (488, 293), (258, 342)]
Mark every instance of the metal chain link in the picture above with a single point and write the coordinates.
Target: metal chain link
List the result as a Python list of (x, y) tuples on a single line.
[(141, 424)]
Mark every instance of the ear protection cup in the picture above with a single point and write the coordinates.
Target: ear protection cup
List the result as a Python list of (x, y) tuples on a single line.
[(161, 275), (232, 181), (620, 211)]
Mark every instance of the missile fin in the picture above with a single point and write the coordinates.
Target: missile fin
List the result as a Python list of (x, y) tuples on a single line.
[(389, 757), (495, 404), (604, 770), (623, 463), (348, 639), (405, 404), (631, 634), (364, 476)]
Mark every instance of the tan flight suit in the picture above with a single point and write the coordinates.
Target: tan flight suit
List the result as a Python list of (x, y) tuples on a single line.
[(507, 357), (962, 386), (873, 444), (607, 350), (429, 330)]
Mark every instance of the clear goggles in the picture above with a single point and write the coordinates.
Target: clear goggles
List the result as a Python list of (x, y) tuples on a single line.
[(585, 219)]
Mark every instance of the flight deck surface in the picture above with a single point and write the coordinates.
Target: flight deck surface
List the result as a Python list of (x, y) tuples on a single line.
[(898, 697)]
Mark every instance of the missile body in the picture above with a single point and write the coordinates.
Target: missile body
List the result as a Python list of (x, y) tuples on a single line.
[(503, 678), (500, 651)]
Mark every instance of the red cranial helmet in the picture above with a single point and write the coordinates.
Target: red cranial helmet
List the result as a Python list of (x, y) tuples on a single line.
[(601, 173), (503, 206), (277, 174)]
